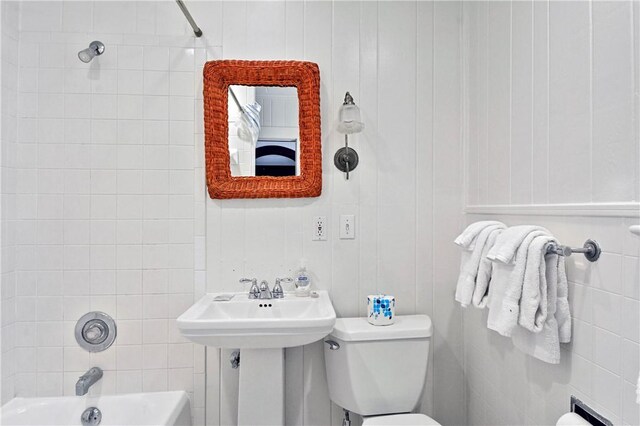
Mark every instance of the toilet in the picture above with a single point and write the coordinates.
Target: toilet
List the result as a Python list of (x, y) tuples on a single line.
[(379, 372)]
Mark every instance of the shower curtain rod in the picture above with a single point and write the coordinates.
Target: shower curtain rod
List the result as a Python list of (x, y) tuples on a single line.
[(196, 30)]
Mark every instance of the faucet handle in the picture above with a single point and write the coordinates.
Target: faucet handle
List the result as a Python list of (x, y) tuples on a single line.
[(254, 291), (284, 280), (278, 292)]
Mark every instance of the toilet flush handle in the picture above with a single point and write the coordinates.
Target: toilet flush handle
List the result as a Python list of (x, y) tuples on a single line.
[(333, 345)]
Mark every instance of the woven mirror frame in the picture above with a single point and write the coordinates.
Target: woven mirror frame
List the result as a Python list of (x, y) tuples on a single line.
[(218, 76)]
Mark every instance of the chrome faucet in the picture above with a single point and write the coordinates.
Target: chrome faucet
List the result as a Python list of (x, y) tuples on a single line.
[(87, 380), (265, 293), (254, 291), (278, 292)]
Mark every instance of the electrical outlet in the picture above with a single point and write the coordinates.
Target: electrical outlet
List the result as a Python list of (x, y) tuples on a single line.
[(347, 227), (319, 228)]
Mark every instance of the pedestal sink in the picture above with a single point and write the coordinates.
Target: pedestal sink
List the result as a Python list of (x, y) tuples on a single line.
[(261, 328)]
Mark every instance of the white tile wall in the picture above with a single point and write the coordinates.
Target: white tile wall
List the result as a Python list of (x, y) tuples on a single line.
[(8, 188), (556, 128), (401, 62), (600, 365), (106, 168)]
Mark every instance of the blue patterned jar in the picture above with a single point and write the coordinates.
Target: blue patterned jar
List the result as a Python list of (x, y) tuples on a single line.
[(381, 309)]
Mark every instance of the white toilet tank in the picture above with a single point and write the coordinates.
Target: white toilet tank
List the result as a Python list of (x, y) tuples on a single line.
[(378, 369)]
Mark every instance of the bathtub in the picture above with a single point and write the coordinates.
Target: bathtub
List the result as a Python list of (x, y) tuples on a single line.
[(152, 408)]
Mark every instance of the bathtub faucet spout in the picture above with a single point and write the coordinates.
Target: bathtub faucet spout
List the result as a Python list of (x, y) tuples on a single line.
[(87, 380)]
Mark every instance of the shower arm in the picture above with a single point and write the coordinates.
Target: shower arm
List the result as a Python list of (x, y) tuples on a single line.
[(196, 30)]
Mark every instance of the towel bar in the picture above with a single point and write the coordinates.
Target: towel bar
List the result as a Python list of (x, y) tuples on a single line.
[(590, 249)]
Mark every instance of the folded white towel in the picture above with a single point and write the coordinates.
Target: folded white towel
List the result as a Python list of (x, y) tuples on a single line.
[(544, 345), (506, 286), (533, 303), (544, 328), (563, 314), (469, 266), (485, 270), (467, 238), (510, 240)]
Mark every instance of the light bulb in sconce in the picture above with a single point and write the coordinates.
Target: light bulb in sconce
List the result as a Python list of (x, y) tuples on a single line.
[(349, 116), (346, 159)]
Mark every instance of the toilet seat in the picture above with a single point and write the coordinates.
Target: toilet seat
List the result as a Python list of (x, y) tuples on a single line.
[(400, 420)]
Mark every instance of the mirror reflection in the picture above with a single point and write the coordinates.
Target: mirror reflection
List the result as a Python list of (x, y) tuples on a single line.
[(263, 131)]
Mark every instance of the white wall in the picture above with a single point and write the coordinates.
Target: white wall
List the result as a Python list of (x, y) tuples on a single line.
[(552, 93), (552, 118), (110, 200), (401, 61), (9, 89)]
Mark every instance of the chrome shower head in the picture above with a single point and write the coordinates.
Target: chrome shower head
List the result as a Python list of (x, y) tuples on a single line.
[(96, 48)]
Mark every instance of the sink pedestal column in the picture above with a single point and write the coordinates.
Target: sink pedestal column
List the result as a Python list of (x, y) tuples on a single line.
[(261, 387)]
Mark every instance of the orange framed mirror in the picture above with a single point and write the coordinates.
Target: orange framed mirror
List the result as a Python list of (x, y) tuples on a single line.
[(304, 177)]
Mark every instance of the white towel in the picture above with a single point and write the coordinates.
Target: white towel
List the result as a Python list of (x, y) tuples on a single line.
[(506, 284), (485, 271), (548, 325), (638, 390), (533, 303), (544, 345), (467, 238), (469, 266), (510, 240), (563, 314)]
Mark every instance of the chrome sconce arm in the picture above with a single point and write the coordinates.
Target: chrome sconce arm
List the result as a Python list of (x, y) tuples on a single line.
[(346, 159)]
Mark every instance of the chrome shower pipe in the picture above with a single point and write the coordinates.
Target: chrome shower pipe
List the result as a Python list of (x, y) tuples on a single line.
[(196, 30)]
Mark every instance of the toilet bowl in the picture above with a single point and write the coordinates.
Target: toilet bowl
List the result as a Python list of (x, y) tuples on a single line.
[(379, 372)]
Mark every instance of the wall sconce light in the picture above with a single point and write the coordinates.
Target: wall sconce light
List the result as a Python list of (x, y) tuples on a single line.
[(346, 159)]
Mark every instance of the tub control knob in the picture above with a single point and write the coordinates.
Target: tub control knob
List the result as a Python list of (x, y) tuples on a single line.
[(95, 331)]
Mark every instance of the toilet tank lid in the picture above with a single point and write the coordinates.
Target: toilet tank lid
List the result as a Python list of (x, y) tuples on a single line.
[(405, 327)]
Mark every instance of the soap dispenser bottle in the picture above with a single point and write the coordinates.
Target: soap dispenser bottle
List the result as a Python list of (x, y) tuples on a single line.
[(302, 281)]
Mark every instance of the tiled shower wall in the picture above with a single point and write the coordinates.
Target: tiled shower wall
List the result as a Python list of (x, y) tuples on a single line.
[(9, 92), (552, 111), (401, 61), (109, 203)]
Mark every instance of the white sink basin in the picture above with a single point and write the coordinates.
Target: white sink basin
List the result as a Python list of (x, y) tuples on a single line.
[(258, 324)]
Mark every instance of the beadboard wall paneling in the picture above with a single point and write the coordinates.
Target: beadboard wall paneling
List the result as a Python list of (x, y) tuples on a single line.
[(552, 103), (564, 114), (401, 61)]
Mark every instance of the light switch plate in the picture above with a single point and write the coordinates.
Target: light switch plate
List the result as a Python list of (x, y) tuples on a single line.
[(347, 227), (319, 228)]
